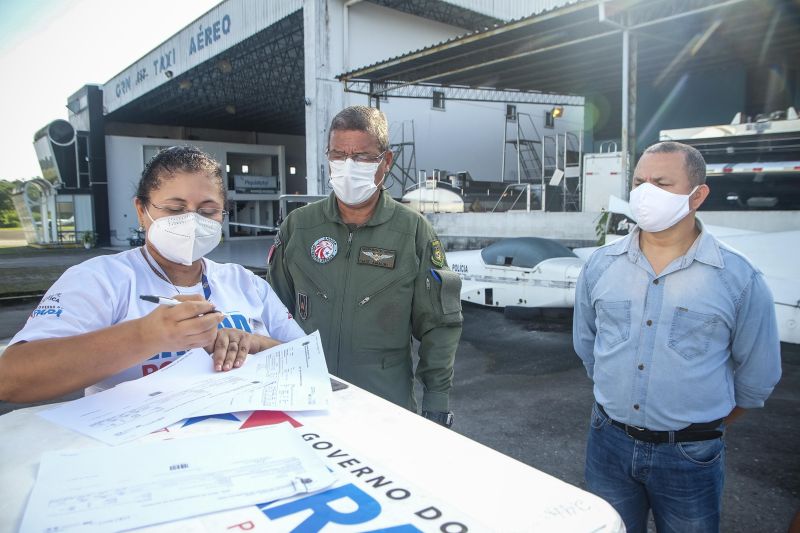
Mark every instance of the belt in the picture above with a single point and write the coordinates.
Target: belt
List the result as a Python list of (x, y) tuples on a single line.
[(691, 433)]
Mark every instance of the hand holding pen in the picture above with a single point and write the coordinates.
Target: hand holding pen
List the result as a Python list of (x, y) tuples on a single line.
[(163, 300), (181, 323)]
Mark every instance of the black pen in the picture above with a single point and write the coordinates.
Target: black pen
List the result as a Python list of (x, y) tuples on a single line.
[(160, 300)]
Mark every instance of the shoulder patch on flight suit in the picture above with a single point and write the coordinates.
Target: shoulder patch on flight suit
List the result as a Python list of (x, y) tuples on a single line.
[(377, 257), (274, 247), (324, 249), (302, 305), (437, 254)]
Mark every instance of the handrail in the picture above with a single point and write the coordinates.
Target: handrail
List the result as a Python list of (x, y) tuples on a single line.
[(609, 144), (522, 186)]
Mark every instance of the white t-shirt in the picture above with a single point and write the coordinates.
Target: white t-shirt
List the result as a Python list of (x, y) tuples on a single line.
[(105, 290)]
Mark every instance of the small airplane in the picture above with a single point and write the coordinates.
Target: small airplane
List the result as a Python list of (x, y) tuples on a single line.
[(534, 272), (520, 271)]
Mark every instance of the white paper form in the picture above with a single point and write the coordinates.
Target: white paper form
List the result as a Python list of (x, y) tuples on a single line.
[(293, 376), (135, 408), (112, 489)]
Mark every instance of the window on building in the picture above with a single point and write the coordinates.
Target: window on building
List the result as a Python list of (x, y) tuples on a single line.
[(438, 100), (549, 121), (83, 160), (380, 88), (511, 112)]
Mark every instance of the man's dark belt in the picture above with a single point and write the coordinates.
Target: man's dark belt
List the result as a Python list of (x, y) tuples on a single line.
[(691, 433)]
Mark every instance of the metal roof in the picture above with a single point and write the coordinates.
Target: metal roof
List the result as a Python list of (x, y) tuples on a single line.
[(575, 50), (257, 85)]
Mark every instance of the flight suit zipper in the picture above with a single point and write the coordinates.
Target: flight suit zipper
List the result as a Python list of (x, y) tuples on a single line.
[(317, 290), (344, 295), (367, 299)]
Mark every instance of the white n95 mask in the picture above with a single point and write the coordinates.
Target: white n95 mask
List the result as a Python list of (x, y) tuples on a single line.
[(184, 238), (352, 182), (656, 209)]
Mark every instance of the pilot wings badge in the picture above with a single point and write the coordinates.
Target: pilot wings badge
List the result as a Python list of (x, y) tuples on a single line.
[(377, 257)]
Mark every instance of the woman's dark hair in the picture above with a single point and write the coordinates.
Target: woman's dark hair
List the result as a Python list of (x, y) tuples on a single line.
[(178, 159)]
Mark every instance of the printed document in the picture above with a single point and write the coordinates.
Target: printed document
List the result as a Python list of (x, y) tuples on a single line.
[(291, 376), (135, 408), (113, 489)]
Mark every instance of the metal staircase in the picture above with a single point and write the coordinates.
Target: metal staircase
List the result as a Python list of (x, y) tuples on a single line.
[(526, 142), (404, 165), (562, 154)]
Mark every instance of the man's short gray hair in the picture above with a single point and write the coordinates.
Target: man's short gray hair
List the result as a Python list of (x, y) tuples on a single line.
[(694, 162), (362, 118)]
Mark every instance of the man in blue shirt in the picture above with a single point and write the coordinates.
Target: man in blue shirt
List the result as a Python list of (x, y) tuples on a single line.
[(678, 334)]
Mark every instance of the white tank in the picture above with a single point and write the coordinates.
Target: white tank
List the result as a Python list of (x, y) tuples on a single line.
[(434, 200)]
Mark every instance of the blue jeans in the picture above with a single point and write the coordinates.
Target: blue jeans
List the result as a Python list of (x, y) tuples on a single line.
[(681, 483)]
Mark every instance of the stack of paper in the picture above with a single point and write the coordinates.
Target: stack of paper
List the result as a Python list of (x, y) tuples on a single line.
[(113, 489), (291, 376)]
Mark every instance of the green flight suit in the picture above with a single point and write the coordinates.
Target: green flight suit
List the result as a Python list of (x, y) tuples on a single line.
[(367, 290)]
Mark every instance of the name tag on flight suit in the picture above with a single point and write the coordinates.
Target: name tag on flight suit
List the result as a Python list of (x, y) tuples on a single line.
[(377, 257)]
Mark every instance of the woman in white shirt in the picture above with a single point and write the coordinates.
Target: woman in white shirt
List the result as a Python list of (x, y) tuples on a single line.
[(92, 330)]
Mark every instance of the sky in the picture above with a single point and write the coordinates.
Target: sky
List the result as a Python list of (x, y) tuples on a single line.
[(51, 48)]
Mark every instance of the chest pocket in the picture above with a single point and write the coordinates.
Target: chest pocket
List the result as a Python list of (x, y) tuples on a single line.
[(691, 332), (313, 294), (383, 310), (614, 322)]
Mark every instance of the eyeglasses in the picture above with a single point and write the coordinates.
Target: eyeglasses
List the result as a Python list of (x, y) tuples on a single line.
[(335, 155), (175, 209)]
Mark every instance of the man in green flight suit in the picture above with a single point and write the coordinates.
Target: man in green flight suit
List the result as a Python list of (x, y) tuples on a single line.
[(369, 274)]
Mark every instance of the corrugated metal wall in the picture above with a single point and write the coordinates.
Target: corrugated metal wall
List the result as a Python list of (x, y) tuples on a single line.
[(510, 9)]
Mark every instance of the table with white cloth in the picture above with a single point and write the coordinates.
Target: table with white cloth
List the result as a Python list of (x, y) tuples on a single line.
[(395, 470)]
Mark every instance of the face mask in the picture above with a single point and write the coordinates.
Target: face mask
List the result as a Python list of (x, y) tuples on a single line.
[(353, 183), (656, 209), (184, 238)]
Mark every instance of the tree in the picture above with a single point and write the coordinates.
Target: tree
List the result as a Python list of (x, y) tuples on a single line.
[(8, 215)]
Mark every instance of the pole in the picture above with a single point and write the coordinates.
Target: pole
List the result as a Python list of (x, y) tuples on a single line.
[(419, 187), (505, 144), (544, 187), (528, 199), (519, 145), (629, 67)]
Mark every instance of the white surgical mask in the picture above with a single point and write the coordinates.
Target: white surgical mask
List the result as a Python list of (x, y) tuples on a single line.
[(352, 182), (184, 238), (656, 209)]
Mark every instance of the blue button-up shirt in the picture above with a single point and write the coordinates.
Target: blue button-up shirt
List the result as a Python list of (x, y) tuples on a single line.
[(682, 347)]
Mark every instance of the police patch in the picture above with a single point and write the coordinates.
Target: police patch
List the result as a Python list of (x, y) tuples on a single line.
[(437, 254), (377, 257)]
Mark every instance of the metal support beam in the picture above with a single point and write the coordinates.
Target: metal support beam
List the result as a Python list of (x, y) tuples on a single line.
[(628, 133), (459, 94)]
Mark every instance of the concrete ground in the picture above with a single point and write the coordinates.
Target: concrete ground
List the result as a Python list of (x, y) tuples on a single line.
[(520, 389)]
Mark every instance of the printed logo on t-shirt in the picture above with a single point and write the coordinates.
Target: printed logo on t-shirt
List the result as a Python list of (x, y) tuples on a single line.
[(233, 320), (50, 306), (149, 368)]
